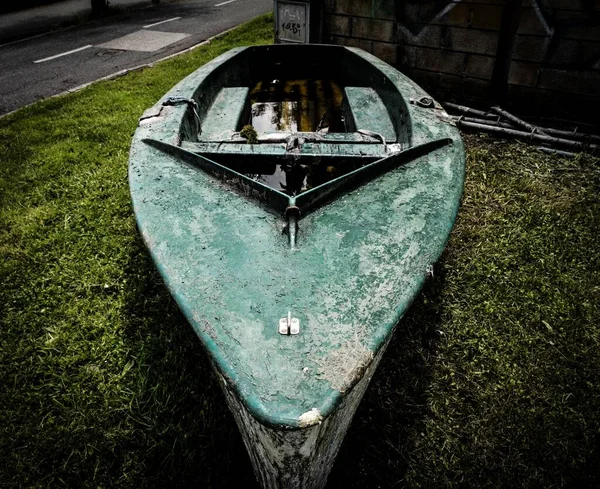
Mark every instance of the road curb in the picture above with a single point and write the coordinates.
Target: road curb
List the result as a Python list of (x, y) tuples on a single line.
[(120, 73)]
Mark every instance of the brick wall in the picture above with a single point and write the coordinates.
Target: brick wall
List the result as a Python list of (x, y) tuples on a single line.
[(539, 55)]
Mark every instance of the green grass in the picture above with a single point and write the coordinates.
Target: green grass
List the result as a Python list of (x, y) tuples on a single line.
[(493, 379)]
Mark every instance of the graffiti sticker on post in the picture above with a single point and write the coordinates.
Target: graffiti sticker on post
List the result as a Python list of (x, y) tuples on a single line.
[(291, 22)]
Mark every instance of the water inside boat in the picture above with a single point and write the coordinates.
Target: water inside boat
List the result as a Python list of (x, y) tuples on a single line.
[(315, 118), (291, 175), (294, 178), (305, 105), (298, 105)]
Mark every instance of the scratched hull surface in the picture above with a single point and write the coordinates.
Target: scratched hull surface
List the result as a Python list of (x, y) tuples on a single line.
[(300, 458), (346, 258)]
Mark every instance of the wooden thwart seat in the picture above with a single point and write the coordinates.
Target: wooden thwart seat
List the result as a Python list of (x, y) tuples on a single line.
[(223, 117), (364, 109)]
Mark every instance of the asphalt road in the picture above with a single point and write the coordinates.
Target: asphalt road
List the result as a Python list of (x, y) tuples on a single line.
[(46, 65)]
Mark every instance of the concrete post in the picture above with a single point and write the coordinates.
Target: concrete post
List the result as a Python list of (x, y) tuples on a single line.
[(298, 21)]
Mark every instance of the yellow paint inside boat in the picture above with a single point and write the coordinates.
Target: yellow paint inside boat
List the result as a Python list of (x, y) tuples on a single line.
[(306, 105)]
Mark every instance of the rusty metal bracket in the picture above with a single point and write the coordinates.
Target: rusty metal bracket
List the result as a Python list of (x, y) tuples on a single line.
[(425, 102), (191, 102)]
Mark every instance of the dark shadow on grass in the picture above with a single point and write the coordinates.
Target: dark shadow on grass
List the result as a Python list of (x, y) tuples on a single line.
[(376, 450), (186, 436), (191, 439)]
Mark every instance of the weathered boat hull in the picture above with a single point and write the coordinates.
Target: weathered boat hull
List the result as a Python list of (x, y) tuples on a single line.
[(298, 459), (337, 261)]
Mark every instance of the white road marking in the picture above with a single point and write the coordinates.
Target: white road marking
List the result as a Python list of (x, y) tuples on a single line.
[(161, 22), (63, 54), (124, 71), (144, 40), (225, 3)]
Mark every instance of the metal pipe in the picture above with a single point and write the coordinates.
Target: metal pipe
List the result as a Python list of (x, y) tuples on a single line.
[(494, 119), (530, 136), (516, 120), (577, 136), (463, 109), (552, 151)]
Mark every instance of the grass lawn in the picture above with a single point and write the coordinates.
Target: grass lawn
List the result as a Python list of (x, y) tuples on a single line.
[(493, 379)]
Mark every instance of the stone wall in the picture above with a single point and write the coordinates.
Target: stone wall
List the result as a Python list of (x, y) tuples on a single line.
[(537, 55)]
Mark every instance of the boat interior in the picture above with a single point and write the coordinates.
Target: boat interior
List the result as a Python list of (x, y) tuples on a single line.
[(310, 113)]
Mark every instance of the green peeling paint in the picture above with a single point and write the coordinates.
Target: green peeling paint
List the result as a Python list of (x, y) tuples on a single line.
[(364, 241)]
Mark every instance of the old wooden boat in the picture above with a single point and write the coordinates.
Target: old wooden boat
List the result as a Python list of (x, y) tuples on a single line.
[(295, 246)]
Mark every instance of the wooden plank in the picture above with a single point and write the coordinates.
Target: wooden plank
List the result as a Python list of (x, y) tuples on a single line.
[(309, 137), (307, 149), (367, 111), (224, 115)]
